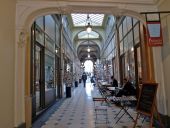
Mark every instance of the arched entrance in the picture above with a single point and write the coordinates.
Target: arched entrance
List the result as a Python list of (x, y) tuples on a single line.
[(25, 17)]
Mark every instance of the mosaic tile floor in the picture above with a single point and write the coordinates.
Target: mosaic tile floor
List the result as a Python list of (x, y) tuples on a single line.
[(78, 112)]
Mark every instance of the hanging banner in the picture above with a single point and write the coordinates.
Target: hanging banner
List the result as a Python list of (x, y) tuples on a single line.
[(154, 33)]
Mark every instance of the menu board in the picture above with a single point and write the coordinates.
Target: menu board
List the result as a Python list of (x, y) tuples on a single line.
[(147, 98)]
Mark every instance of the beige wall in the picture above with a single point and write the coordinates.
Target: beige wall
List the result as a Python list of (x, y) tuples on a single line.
[(165, 53), (7, 39)]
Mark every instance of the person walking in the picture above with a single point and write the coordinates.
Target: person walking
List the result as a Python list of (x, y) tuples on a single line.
[(84, 78)]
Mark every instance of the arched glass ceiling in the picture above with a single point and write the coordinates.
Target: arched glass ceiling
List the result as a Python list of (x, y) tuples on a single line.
[(84, 35), (80, 19)]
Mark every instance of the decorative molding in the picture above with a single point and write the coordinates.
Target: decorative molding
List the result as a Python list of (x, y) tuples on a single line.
[(21, 39)]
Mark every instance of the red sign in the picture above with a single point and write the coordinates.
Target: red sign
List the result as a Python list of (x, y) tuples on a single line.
[(154, 33)]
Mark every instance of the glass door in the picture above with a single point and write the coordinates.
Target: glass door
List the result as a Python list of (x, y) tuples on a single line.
[(39, 78)]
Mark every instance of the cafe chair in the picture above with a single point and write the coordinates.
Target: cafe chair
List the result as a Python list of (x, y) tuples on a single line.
[(126, 102), (101, 110)]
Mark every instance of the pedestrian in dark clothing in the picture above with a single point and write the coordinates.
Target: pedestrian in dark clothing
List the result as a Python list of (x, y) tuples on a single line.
[(84, 78), (114, 82), (127, 89)]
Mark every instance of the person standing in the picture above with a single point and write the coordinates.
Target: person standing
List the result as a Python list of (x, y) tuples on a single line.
[(84, 78)]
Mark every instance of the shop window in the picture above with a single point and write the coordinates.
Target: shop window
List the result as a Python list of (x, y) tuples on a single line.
[(49, 70), (131, 66), (50, 26), (125, 27), (40, 22), (130, 39), (136, 34), (39, 35), (49, 63), (134, 21), (129, 23), (125, 43)]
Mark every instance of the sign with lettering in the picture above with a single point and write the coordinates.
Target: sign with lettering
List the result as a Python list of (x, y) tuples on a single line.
[(147, 98), (154, 33)]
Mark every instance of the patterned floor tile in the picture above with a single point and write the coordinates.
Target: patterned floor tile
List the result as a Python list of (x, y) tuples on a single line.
[(78, 112)]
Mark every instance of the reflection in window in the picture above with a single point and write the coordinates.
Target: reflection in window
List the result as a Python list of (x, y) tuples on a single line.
[(131, 66), (37, 83), (49, 70), (139, 63)]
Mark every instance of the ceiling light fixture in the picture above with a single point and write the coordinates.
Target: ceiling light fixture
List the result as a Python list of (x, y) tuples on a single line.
[(88, 25), (88, 48), (88, 55), (56, 50)]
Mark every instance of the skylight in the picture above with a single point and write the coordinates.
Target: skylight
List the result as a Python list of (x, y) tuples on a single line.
[(84, 35), (80, 19)]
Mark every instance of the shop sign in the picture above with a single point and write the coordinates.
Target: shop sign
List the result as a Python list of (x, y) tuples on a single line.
[(154, 33)]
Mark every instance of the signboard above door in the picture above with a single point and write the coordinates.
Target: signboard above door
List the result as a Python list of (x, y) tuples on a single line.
[(154, 33)]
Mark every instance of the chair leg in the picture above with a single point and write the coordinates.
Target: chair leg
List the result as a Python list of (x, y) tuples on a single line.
[(118, 112), (136, 120)]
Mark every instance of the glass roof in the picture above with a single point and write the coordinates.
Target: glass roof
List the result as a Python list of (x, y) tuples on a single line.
[(86, 35), (81, 19)]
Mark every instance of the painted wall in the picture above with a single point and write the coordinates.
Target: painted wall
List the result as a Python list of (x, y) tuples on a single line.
[(165, 51), (7, 41)]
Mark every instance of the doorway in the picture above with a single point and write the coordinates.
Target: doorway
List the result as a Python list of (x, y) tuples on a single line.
[(38, 86)]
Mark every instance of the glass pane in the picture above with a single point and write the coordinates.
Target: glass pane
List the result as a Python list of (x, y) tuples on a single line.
[(39, 35), (40, 22), (136, 34), (49, 44), (134, 21), (131, 67), (125, 44), (50, 27), (126, 65), (130, 40), (81, 19), (37, 77), (129, 23), (49, 70), (139, 63), (124, 27), (57, 34)]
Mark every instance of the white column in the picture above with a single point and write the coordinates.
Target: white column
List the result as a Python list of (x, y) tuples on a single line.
[(19, 93), (159, 78)]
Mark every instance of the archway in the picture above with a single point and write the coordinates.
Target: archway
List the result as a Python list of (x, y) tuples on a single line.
[(25, 17)]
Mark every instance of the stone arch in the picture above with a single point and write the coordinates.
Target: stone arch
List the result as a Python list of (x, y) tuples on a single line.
[(28, 16), (25, 16)]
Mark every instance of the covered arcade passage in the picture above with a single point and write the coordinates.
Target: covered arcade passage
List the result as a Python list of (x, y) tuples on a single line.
[(16, 21)]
